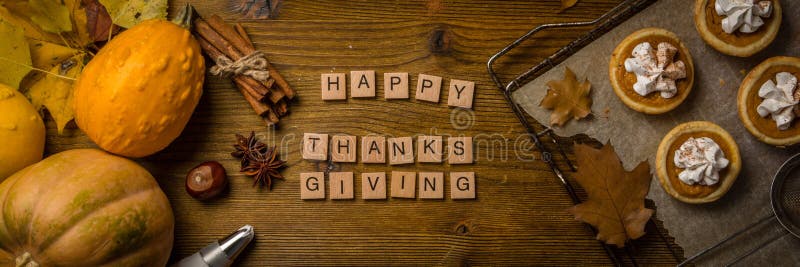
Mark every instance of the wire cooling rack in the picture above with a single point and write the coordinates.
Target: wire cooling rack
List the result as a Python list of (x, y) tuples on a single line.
[(538, 132)]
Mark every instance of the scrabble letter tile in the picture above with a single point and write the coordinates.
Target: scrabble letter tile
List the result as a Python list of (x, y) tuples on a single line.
[(343, 148), (315, 146), (429, 149), (404, 184), (401, 150), (460, 150), (373, 149), (428, 88), (333, 86), (341, 185), (461, 93), (362, 83), (395, 85), (431, 185), (462, 185), (312, 185), (373, 185)]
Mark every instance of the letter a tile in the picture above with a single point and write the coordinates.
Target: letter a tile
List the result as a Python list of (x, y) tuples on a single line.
[(362, 83)]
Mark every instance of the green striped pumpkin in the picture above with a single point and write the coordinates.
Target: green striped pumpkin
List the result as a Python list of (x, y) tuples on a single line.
[(84, 207)]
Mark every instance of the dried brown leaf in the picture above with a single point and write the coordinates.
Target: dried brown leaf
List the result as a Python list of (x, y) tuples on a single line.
[(98, 21), (616, 197), (567, 98)]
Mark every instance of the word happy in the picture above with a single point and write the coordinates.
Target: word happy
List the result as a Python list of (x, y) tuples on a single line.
[(376, 150), (395, 85)]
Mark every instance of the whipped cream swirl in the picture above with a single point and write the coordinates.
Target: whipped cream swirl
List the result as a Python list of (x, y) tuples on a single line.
[(744, 15), (701, 160), (779, 100), (655, 70)]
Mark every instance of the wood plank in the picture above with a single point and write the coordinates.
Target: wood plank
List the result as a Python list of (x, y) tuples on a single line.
[(518, 216)]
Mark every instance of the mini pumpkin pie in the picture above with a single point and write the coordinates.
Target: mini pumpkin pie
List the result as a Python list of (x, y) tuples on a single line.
[(737, 27), (651, 71), (697, 162), (768, 99)]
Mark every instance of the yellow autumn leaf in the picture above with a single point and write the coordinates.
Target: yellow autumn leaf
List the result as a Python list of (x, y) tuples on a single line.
[(129, 13), (52, 16), (45, 55), (54, 92), (15, 57)]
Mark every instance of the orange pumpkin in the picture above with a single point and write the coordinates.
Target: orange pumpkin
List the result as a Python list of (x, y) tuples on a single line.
[(137, 94), (84, 207)]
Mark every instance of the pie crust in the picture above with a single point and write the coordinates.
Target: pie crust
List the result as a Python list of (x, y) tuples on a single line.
[(622, 81), (667, 172), (764, 128), (708, 25)]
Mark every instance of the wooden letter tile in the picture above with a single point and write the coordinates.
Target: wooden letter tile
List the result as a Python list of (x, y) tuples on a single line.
[(462, 185), (343, 148), (428, 88), (395, 85), (461, 93), (429, 149), (459, 150), (401, 150), (431, 185), (333, 86), (341, 185), (312, 185), (404, 184), (315, 146), (362, 83), (373, 149), (373, 185)]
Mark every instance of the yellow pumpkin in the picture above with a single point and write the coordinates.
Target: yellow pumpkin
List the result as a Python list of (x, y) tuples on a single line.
[(137, 94), (22, 132), (84, 207)]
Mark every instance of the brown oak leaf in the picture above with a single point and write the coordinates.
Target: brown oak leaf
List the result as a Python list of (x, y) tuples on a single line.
[(98, 21), (616, 197), (567, 98)]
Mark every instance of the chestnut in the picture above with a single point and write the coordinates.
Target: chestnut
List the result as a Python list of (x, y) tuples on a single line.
[(206, 181)]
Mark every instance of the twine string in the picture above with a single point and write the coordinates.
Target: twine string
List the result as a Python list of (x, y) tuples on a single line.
[(253, 65)]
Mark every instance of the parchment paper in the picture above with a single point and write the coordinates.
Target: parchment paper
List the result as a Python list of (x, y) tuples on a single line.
[(636, 136)]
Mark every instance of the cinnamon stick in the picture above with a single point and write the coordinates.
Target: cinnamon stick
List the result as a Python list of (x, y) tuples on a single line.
[(238, 41), (216, 39), (260, 108), (275, 95), (243, 34), (244, 87)]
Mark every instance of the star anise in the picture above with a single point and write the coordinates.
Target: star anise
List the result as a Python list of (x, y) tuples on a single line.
[(258, 160), (246, 146), (263, 167)]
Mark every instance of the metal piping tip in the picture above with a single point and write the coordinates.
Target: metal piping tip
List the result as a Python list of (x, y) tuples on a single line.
[(235, 243)]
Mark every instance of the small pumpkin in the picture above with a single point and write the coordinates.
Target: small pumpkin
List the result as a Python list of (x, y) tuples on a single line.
[(137, 94), (22, 132), (84, 207)]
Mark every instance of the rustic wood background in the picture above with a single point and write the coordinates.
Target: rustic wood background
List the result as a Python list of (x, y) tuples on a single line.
[(519, 216)]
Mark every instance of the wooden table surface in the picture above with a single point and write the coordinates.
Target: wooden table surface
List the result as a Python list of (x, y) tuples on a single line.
[(519, 216)]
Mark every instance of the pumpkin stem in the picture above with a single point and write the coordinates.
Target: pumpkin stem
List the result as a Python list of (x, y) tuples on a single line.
[(185, 16), (26, 260)]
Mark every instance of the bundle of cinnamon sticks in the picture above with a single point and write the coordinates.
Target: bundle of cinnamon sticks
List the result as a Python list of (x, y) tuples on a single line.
[(268, 98)]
